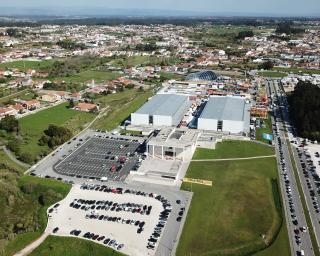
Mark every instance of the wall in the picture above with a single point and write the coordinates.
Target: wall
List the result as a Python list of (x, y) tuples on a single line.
[(139, 119), (207, 124)]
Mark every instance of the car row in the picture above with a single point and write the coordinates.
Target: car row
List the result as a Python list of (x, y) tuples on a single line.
[(107, 205), (106, 241)]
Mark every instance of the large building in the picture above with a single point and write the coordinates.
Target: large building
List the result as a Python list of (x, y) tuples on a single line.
[(226, 114), (206, 75), (162, 110)]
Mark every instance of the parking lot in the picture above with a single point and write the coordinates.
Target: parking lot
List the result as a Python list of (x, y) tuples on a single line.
[(101, 156), (129, 220)]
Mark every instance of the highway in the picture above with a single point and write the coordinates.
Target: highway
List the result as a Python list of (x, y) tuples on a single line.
[(307, 175), (299, 238)]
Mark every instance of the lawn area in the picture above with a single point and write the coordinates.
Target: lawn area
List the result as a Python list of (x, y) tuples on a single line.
[(27, 211), (32, 126), (69, 246), (233, 149), (230, 217), (266, 129), (121, 105), (5, 160), (298, 70), (170, 76), (143, 61), (274, 74), (88, 75), (24, 65)]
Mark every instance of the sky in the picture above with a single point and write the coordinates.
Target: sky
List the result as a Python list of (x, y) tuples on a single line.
[(275, 7)]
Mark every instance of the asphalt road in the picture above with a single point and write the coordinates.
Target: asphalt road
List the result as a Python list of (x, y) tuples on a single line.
[(314, 216), (305, 244)]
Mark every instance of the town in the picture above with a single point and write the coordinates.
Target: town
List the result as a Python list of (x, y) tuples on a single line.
[(190, 137)]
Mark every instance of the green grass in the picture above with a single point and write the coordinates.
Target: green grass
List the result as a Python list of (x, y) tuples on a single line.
[(143, 61), (280, 245), (88, 75), (32, 126), (298, 70), (233, 149), (52, 191), (229, 217), (267, 129), (69, 246), (25, 65), (124, 132), (274, 74), (4, 159), (170, 76), (121, 105)]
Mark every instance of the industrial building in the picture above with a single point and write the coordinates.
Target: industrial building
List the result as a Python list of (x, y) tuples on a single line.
[(226, 114), (162, 110)]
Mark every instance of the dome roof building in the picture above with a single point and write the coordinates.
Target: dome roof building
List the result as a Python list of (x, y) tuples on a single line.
[(202, 76)]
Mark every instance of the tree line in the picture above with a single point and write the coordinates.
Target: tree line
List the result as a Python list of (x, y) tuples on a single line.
[(305, 110)]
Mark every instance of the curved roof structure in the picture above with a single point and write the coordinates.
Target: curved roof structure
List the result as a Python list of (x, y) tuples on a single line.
[(202, 76)]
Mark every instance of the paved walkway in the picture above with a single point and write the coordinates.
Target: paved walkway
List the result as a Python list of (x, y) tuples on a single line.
[(29, 248), (231, 159)]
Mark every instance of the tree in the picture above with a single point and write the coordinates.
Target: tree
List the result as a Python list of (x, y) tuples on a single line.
[(14, 145), (9, 124), (12, 32), (267, 65), (304, 110), (244, 34), (27, 158), (71, 103), (287, 28)]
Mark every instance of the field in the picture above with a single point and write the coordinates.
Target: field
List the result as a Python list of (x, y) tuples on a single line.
[(243, 204), (23, 217), (267, 129), (133, 61), (57, 246), (25, 65), (298, 70), (273, 74), (88, 75), (234, 149), (32, 126), (121, 105)]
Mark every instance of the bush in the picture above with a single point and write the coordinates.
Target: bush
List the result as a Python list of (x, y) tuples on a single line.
[(14, 146), (27, 158), (9, 124)]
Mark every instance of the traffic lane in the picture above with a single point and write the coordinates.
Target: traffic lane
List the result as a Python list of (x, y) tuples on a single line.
[(314, 215), (308, 241), (300, 216)]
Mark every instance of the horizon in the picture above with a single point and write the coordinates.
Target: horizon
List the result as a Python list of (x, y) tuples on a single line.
[(271, 8)]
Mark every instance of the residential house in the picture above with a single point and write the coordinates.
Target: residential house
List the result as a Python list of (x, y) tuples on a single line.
[(87, 107), (75, 96), (50, 97), (7, 111), (31, 104)]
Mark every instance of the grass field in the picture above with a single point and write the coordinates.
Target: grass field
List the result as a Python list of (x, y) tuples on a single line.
[(243, 203), (28, 211), (68, 246), (88, 75), (267, 129), (32, 126), (274, 74), (121, 105), (25, 65), (233, 149), (298, 70)]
